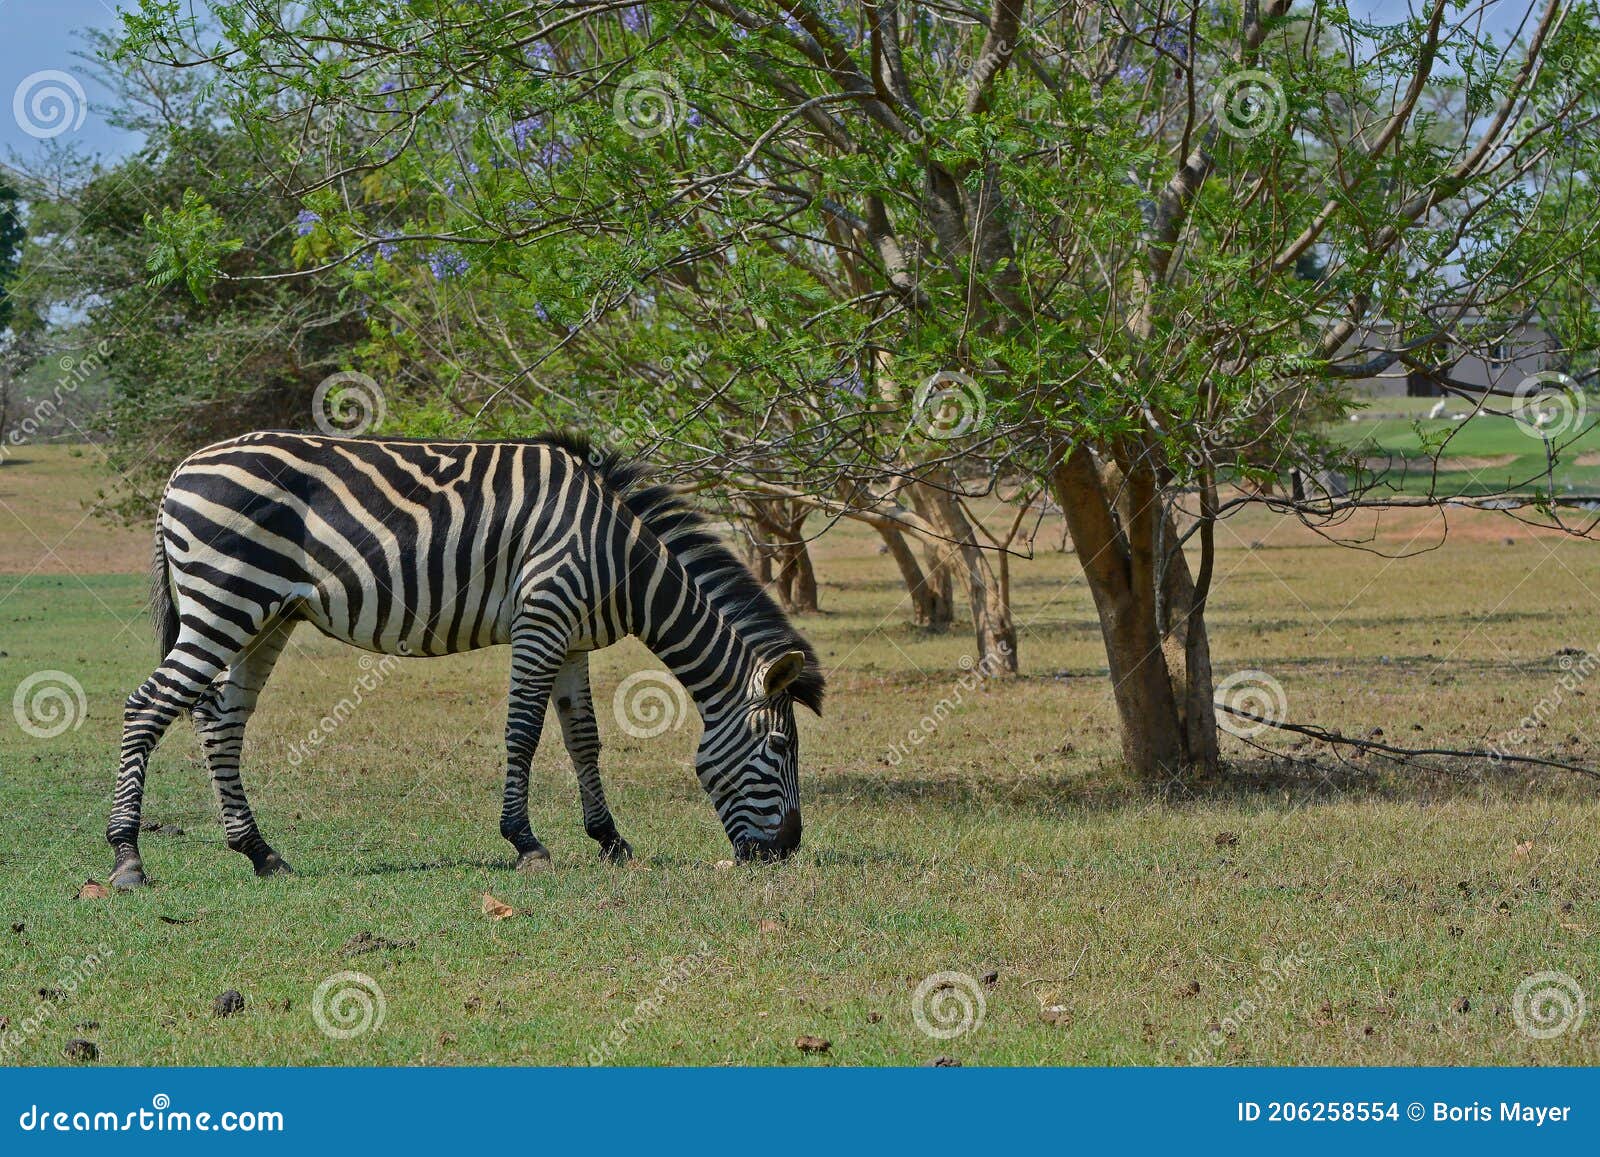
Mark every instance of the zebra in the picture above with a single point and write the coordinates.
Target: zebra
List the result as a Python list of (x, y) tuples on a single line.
[(413, 547)]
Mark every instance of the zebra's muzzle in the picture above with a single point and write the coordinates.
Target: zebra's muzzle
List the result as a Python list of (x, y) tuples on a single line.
[(783, 842)]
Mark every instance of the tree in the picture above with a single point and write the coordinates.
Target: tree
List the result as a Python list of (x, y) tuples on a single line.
[(1128, 252), (11, 236), (183, 369)]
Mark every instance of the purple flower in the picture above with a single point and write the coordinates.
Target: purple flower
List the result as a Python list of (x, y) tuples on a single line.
[(633, 19), (553, 153), (387, 89), (1172, 41), (386, 249), (524, 130), (446, 264), (692, 117), (838, 25), (1131, 74), (540, 312), (541, 52), (305, 222)]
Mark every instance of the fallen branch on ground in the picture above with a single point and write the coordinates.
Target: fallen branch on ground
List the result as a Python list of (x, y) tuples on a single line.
[(1333, 737)]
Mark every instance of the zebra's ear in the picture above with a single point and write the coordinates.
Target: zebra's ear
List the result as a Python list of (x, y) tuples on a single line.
[(782, 671)]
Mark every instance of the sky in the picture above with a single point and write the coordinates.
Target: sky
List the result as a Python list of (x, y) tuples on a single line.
[(39, 41), (39, 65)]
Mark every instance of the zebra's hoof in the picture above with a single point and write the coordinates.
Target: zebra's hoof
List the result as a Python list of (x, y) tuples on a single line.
[(538, 860), (619, 851), (129, 877), (273, 864)]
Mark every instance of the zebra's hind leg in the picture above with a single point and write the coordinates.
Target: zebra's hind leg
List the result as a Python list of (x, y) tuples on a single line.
[(220, 716), (537, 650), (172, 687), (575, 709)]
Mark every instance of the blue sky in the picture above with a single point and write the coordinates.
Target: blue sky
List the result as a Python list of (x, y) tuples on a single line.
[(39, 36), (43, 35)]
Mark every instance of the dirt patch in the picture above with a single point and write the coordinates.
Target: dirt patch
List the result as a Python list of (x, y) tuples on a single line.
[(1468, 462), (1456, 464), (48, 524)]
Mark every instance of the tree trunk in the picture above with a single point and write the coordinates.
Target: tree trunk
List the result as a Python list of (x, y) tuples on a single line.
[(1166, 733), (758, 551), (941, 578), (780, 534), (1188, 651), (988, 587), (931, 591), (798, 578)]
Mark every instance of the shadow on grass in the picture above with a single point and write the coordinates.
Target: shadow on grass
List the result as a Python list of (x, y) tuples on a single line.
[(445, 864), (1263, 783)]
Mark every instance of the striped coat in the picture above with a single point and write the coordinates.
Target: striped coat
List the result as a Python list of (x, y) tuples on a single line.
[(434, 548)]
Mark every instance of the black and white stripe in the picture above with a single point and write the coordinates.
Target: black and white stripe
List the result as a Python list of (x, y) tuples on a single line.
[(433, 548)]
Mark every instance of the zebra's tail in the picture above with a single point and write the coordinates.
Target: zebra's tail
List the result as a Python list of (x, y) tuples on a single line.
[(162, 613)]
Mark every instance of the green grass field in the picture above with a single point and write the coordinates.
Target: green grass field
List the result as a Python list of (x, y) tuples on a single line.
[(1319, 912), (1477, 455)]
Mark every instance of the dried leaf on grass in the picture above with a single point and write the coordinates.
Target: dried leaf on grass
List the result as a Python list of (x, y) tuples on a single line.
[(495, 908)]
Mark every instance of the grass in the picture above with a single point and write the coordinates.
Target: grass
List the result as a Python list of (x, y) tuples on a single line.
[(1485, 454), (1409, 905)]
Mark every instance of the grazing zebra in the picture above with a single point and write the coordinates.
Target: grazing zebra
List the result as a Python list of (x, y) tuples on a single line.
[(434, 548)]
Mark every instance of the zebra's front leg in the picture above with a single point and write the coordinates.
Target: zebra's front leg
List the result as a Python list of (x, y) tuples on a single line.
[(220, 717), (537, 650), (575, 709)]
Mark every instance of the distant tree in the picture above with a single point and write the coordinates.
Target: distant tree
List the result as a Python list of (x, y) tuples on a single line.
[(11, 238), (12, 357), (183, 369)]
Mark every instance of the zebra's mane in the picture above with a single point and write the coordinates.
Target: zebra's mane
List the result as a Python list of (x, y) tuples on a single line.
[(721, 577)]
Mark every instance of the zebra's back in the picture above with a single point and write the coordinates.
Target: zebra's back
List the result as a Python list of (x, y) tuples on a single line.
[(395, 546)]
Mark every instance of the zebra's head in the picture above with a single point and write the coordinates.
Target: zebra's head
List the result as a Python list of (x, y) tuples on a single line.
[(749, 759)]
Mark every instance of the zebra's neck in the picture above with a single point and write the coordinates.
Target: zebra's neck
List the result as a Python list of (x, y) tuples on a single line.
[(672, 616)]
